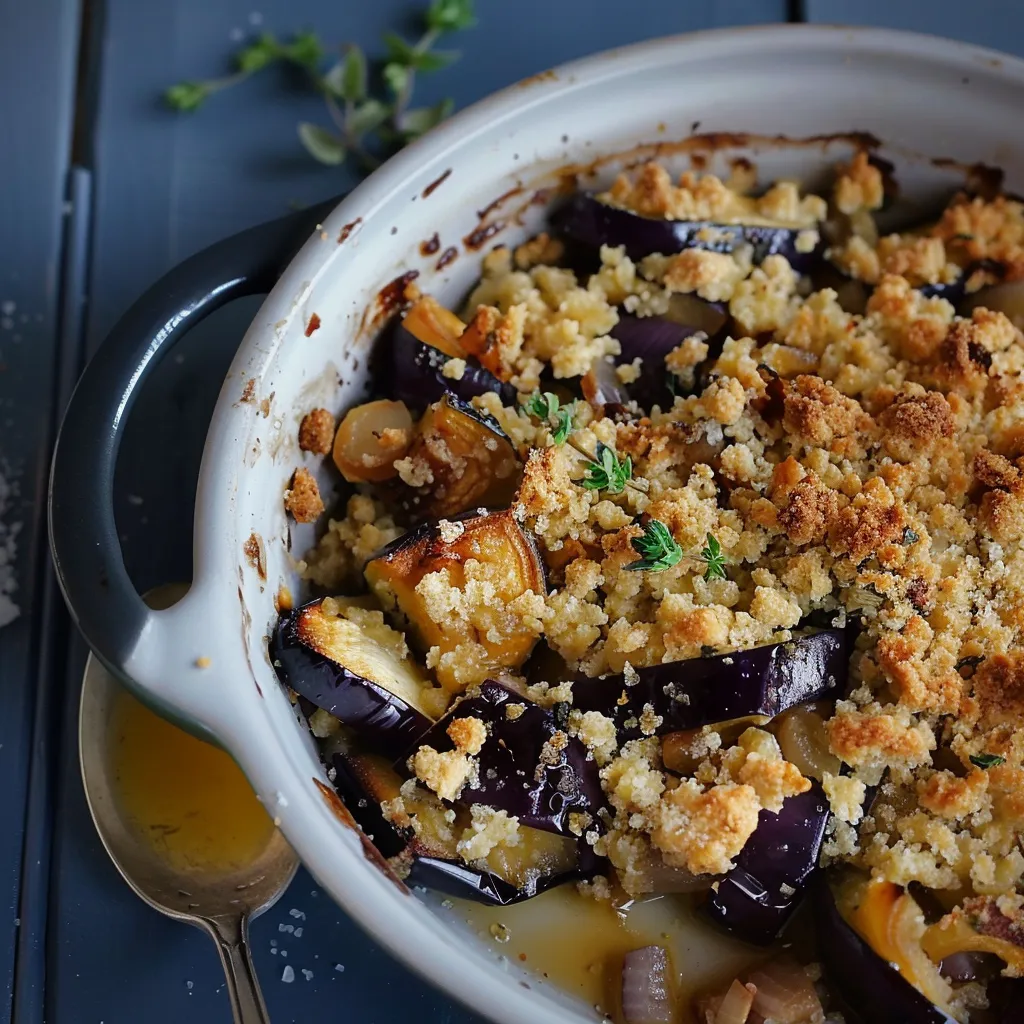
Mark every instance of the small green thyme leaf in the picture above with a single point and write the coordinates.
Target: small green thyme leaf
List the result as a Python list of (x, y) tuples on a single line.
[(258, 55), (672, 383), (450, 15), (367, 117), (608, 473), (544, 406), (987, 761), (305, 49), (714, 560), (420, 120), (321, 144), (187, 96), (396, 76), (656, 547)]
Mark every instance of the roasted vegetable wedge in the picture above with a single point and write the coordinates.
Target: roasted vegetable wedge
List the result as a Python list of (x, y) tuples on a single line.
[(421, 346), (460, 460), (772, 873), (370, 439), (347, 661), (879, 982), (587, 219), (416, 832), (431, 580), (762, 681), (528, 765)]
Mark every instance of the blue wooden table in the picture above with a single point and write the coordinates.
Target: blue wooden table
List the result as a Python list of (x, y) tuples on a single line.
[(103, 190)]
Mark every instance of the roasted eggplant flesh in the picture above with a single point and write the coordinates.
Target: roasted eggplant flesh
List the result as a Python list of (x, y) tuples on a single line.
[(528, 766), (589, 220), (345, 660), (489, 548), (877, 985), (422, 838), (757, 897), (422, 346), (762, 681), (463, 459)]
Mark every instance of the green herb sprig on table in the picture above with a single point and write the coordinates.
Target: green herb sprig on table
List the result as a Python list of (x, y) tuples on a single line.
[(368, 123)]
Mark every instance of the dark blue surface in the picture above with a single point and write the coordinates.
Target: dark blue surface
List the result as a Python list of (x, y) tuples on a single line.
[(164, 186)]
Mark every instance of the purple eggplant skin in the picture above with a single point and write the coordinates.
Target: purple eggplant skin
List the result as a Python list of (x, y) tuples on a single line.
[(382, 719), (513, 776), (584, 218), (773, 871), (413, 374), (688, 694), (875, 991), (650, 338), (451, 877)]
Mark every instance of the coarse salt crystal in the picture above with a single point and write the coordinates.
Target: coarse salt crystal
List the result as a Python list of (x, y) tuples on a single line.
[(288, 974)]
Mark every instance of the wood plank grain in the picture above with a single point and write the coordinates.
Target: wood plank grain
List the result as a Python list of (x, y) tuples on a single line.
[(37, 76)]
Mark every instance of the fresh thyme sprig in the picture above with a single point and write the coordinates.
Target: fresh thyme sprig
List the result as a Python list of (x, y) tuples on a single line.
[(987, 761), (608, 472), (544, 406), (657, 548), (366, 126), (714, 560)]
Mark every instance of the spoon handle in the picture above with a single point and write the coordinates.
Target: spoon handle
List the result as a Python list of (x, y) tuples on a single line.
[(232, 937)]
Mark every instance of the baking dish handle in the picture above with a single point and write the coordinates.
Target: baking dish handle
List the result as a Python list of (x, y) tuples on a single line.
[(83, 535)]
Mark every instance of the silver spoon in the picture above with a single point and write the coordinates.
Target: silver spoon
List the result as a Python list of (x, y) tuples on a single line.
[(222, 904)]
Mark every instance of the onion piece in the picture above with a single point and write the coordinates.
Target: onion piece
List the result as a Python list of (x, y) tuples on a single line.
[(736, 1004), (647, 987), (785, 994)]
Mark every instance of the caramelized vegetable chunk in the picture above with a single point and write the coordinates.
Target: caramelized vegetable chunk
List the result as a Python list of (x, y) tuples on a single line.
[(470, 591), (370, 439), (460, 459)]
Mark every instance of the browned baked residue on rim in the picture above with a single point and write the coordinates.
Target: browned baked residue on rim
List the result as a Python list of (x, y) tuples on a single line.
[(430, 245), (979, 179), (483, 214), (704, 144), (436, 184), (348, 229), (370, 852), (313, 325), (249, 391), (449, 256), (255, 555), (479, 235), (537, 79), (266, 403), (394, 297)]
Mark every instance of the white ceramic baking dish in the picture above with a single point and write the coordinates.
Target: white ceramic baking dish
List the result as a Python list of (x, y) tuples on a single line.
[(922, 97)]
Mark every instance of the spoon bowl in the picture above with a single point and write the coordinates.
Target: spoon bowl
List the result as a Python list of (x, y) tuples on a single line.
[(218, 899)]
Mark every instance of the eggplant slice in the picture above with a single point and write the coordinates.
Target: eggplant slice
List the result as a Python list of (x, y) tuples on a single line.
[(472, 461), (871, 985), (354, 672), (509, 561), (529, 766), (762, 681), (425, 850), (421, 344), (586, 219), (757, 897)]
